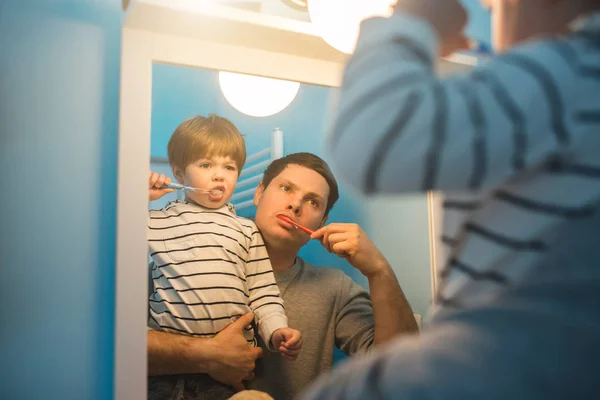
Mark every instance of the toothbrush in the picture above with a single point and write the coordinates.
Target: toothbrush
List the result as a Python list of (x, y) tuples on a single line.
[(480, 47), (178, 186), (297, 225)]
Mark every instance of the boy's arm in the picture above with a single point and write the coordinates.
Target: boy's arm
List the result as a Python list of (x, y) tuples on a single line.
[(265, 299), (400, 128)]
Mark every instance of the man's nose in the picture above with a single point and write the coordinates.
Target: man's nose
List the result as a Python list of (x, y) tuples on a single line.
[(294, 207)]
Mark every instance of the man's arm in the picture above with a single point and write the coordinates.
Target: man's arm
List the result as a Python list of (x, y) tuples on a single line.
[(399, 128), (170, 353), (392, 313), (227, 357)]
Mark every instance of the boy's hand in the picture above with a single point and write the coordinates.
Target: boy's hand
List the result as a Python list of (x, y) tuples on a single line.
[(155, 183), (448, 18), (288, 341)]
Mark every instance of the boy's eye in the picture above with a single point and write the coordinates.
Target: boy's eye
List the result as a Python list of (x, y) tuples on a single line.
[(314, 203), (231, 168), (204, 165)]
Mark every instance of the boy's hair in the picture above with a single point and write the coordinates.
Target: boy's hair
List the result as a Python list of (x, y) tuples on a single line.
[(200, 137), (310, 161)]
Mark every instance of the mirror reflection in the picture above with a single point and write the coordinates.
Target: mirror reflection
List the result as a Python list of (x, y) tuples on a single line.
[(259, 250)]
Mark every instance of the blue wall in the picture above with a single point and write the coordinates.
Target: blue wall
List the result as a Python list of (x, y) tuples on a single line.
[(478, 26), (59, 77)]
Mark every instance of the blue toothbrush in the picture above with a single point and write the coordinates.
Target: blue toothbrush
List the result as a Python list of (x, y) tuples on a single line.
[(179, 186)]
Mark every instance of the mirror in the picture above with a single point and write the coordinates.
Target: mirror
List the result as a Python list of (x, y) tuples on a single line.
[(169, 61), (181, 92)]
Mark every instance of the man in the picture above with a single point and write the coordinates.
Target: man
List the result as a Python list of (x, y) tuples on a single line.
[(515, 146), (324, 304)]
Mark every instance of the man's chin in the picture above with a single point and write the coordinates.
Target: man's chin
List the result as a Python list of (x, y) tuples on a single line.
[(282, 237)]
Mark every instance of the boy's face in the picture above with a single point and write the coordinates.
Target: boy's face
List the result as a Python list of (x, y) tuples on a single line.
[(216, 173), (298, 193)]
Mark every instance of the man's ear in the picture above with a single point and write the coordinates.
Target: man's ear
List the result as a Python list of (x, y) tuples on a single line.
[(258, 193), (177, 173)]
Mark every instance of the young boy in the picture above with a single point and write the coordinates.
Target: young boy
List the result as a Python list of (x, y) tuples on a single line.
[(210, 266), (515, 146)]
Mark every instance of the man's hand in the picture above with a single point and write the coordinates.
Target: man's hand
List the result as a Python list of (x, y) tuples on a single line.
[(447, 17), (235, 358), (349, 241), (155, 183), (288, 341)]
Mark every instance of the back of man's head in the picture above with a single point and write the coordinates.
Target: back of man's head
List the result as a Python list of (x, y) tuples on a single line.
[(310, 161)]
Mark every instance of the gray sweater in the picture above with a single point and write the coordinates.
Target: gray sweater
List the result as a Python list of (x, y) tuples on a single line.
[(330, 310)]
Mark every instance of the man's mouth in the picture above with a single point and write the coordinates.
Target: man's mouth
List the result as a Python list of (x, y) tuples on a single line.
[(293, 224)]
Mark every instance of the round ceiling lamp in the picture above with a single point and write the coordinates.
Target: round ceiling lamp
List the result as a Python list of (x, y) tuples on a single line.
[(338, 21), (255, 95)]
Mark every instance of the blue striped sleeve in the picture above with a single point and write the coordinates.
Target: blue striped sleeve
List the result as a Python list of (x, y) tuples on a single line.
[(400, 128)]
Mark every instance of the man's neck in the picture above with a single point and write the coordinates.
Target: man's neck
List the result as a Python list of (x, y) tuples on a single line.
[(282, 258)]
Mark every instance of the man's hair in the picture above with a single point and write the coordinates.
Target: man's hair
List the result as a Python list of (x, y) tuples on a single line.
[(200, 137), (310, 161)]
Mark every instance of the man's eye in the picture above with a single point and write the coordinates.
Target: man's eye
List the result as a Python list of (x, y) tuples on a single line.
[(285, 188)]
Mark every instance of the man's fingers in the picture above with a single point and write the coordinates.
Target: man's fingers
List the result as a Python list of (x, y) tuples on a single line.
[(318, 234), (330, 228), (325, 242), (338, 238), (242, 322), (342, 249)]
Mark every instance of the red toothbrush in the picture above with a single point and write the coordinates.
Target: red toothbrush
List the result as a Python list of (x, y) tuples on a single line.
[(297, 225)]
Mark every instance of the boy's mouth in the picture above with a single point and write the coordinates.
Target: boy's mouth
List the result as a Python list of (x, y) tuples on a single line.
[(217, 191)]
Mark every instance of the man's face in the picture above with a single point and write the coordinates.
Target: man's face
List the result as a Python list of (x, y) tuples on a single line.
[(298, 193)]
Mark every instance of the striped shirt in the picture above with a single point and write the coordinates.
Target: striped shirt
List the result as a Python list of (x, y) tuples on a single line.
[(208, 267), (514, 144)]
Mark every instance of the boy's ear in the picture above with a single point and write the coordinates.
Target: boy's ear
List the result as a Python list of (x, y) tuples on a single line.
[(258, 193), (177, 173)]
